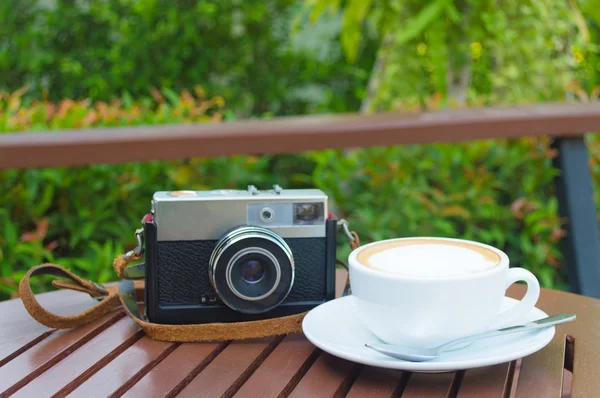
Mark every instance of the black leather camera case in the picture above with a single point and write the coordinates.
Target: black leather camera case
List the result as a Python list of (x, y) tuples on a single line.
[(178, 289)]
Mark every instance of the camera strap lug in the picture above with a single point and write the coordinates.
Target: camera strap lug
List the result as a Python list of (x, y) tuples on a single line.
[(353, 238), (354, 242), (136, 271), (136, 253)]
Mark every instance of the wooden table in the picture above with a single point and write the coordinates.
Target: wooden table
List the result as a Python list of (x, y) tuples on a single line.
[(112, 357)]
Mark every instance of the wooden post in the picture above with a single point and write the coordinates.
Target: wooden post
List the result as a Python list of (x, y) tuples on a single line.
[(581, 246)]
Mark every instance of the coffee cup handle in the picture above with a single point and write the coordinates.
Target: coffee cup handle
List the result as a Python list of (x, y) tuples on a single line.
[(522, 308)]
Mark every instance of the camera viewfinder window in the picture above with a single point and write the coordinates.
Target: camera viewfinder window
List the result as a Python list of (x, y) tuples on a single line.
[(308, 213)]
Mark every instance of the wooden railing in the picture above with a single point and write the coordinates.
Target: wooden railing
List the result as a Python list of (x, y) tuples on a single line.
[(567, 122), (291, 134)]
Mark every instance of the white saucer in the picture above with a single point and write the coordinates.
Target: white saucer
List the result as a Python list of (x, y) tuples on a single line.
[(335, 328)]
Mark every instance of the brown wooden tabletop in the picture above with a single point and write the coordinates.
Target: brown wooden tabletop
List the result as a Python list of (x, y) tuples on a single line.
[(112, 357)]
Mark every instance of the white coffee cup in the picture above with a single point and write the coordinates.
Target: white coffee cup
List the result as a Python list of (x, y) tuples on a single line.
[(423, 292)]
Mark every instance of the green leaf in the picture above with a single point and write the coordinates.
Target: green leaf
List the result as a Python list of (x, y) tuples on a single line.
[(546, 277), (590, 9), (87, 230), (320, 6), (127, 100), (418, 24), (46, 200), (356, 10), (354, 15), (350, 39), (229, 116), (10, 232), (452, 12), (171, 95)]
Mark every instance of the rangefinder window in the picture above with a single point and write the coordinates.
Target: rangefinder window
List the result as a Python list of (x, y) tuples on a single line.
[(308, 213)]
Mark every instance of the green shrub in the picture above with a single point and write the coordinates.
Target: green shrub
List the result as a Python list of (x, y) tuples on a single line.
[(496, 191), (99, 49), (83, 217)]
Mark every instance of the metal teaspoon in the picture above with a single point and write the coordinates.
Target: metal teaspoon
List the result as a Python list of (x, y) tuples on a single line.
[(427, 354)]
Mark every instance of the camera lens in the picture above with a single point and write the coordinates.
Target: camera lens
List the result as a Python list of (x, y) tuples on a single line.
[(253, 274), (252, 271)]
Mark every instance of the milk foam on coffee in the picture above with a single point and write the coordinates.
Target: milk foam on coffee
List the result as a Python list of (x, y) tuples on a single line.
[(423, 258)]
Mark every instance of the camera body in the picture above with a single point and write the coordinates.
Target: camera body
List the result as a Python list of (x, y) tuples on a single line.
[(237, 255)]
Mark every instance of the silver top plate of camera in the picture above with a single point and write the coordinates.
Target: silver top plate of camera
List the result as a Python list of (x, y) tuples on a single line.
[(201, 215)]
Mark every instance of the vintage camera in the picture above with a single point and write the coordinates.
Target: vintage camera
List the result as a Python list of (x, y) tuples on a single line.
[(237, 255)]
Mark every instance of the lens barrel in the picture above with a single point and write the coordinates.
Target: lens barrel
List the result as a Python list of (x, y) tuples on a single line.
[(251, 269)]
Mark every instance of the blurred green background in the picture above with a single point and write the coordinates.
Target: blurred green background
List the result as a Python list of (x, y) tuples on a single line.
[(87, 63)]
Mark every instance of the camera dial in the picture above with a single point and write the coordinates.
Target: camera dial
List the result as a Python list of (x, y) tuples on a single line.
[(251, 269)]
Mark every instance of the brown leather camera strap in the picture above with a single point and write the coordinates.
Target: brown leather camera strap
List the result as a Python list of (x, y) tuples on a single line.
[(127, 294), (109, 300)]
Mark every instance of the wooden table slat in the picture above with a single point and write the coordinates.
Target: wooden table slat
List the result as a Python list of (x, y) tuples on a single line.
[(586, 370), (541, 373), (82, 362), (16, 323), (186, 360), (429, 385), (9, 350), (329, 376), (286, 365), (490, 381), (232, 366), (112, 356), (123, 368), (41, 357), (374, 382)]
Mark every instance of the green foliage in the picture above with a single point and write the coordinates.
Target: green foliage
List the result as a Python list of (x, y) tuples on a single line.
[(497, 192), (84, 217), (424, 19), (355, 13), (422, 55), (456, 53), (471, 52), (100, 49)]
